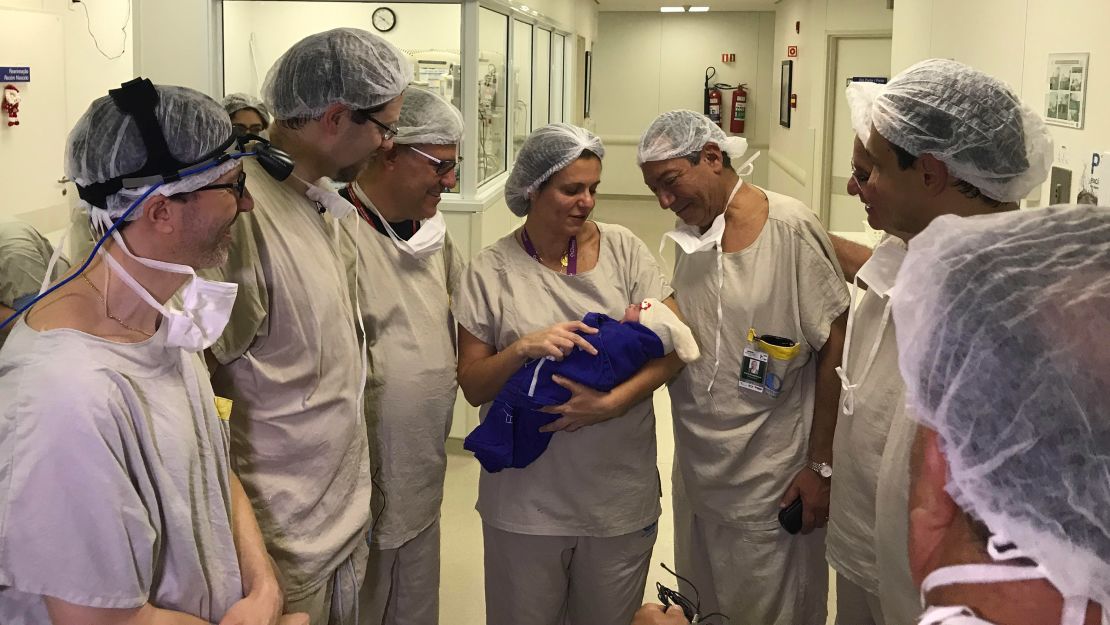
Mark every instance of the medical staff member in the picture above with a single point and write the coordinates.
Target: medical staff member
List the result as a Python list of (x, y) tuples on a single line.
[(249, 115), (118, 502), (1003, 349), (290, 356), (941, 138), (24, 257), (567, 538), (407, 270), (754, 417)]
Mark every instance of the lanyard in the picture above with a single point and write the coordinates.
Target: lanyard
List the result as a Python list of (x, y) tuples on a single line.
[(569, 260)]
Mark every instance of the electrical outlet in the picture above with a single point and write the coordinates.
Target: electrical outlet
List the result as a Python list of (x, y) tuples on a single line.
[(1059, 186)]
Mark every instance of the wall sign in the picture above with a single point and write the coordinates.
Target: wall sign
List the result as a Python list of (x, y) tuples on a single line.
[(1065, 102), (792, 51), (15, 74)]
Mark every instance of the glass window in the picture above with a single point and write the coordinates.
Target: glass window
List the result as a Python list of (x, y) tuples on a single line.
[(541, 80), (493, 52), (558, 67), (522, 82)]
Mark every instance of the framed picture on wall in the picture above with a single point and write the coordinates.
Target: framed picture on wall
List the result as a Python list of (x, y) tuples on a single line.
[(1066, 97), (586, 88), (785, 89)]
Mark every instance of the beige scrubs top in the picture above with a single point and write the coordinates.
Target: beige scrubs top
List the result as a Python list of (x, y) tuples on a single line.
[(411, 385), (24, 255), (736, 449), (600, 481), (114, 478), (292, 364)]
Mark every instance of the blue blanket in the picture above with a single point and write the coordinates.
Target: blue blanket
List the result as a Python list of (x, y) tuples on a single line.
[(510, 436)]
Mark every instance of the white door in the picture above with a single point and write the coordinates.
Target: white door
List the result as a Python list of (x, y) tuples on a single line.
[(854, 57)]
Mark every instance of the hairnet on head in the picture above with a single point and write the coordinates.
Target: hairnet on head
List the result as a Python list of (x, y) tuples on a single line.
[(861, 99), (347, 66), (971, 122), (106, 144), (428, 118), (1002, 345), (235, 102), (677, 133), (546, 151)]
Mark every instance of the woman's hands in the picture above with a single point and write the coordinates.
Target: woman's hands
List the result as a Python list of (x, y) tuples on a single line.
[(586, 406), (556, 341)]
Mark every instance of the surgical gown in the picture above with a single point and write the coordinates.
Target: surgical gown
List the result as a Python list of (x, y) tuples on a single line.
[(114, 478)]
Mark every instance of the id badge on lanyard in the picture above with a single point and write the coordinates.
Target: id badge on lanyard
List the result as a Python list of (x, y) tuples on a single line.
[(765, 361)]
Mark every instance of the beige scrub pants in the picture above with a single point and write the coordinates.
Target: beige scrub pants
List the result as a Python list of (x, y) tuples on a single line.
[(565, 580), (335, 602), (763, 577), (402, 584), (856, 606)]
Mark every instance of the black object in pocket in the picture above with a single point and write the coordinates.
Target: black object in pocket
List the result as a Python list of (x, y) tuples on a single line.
[(790, 517)]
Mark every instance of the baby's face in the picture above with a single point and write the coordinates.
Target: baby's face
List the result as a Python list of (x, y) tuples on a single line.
[(632, 313)]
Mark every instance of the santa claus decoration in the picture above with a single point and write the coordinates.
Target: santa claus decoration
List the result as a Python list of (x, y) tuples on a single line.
[(10, 104)]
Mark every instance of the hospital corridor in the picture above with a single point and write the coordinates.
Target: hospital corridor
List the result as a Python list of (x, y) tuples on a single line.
[(554, 312)]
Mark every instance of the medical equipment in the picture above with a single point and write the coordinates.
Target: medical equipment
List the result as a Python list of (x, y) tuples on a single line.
[(691, 609)]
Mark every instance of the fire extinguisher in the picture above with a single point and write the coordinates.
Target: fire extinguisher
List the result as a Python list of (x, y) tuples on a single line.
[(739, 108), (712, 97)]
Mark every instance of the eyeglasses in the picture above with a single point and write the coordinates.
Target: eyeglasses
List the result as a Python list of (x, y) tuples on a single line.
[(242, 129), (238, 188), (388, 132), (861, 177), (442, 165)]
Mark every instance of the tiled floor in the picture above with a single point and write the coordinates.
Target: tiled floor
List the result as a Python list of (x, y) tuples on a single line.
[(462, 600)]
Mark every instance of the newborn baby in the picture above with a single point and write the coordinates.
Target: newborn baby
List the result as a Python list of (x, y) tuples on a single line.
[(510, 435)]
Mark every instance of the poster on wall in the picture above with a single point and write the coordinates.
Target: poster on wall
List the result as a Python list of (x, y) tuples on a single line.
[(1065, 101)]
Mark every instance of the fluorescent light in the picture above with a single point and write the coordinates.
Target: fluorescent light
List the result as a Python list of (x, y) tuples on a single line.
[(671, 9), (699, 9)]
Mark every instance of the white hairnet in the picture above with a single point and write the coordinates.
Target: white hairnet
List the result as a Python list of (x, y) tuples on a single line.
[(106, 144), (861, 99), (971, 122), (347, 66), (428, 118), (1002, 344), (678, 133), (235, 102), (546, 151)]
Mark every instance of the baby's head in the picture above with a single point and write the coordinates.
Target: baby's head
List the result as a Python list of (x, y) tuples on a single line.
[(632, 313), (661, 320)]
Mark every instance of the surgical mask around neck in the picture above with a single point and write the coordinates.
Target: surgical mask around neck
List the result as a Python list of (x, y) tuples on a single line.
[(205, 304), (1075, 608), (427, 240), (691, 241), (323, 193)]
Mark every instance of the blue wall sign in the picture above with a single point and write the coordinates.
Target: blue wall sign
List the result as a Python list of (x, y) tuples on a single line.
[(15, 74)]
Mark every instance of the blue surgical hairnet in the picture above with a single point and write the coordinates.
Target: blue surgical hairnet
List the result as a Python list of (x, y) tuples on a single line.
[(1002, 342), (347, 66), (971, 122), (546, 151), (677, 133), (106, 143), (428, 118)]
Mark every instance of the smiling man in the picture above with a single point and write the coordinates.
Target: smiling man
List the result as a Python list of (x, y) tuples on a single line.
[(757, 280), (406, 269)]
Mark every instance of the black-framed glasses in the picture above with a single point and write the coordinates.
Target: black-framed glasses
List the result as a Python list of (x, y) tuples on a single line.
[(238, 188), (388, 132), (442, 165)]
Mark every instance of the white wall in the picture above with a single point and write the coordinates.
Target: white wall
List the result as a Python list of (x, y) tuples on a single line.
[(67, 73), (1011, 39), (798, 152), (649, 63)]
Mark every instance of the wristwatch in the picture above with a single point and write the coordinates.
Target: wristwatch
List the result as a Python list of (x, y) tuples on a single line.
[(823, 469)]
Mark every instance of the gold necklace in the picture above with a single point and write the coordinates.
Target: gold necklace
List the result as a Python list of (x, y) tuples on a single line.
[(107, 312)]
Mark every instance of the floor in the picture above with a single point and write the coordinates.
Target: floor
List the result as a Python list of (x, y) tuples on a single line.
[(462, 600)]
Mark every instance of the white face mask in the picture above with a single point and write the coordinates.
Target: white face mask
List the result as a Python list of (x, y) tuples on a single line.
[(428, 239), (691, 241), (1075, 608), (206, 304), (322, 193)]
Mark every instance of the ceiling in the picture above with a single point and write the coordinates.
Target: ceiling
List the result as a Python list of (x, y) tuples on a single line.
[(714, 5)]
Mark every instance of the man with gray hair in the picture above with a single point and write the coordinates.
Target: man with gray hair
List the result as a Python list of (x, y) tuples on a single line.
[(290, 356), (406, 269)]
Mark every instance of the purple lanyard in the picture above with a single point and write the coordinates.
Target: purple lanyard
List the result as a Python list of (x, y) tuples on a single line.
[(569, 260)]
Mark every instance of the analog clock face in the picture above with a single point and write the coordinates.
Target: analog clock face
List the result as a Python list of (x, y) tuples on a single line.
[(384, 19)]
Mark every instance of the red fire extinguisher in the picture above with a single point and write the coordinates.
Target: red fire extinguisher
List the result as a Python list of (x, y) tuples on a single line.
[(739, 108), (712, 97)]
